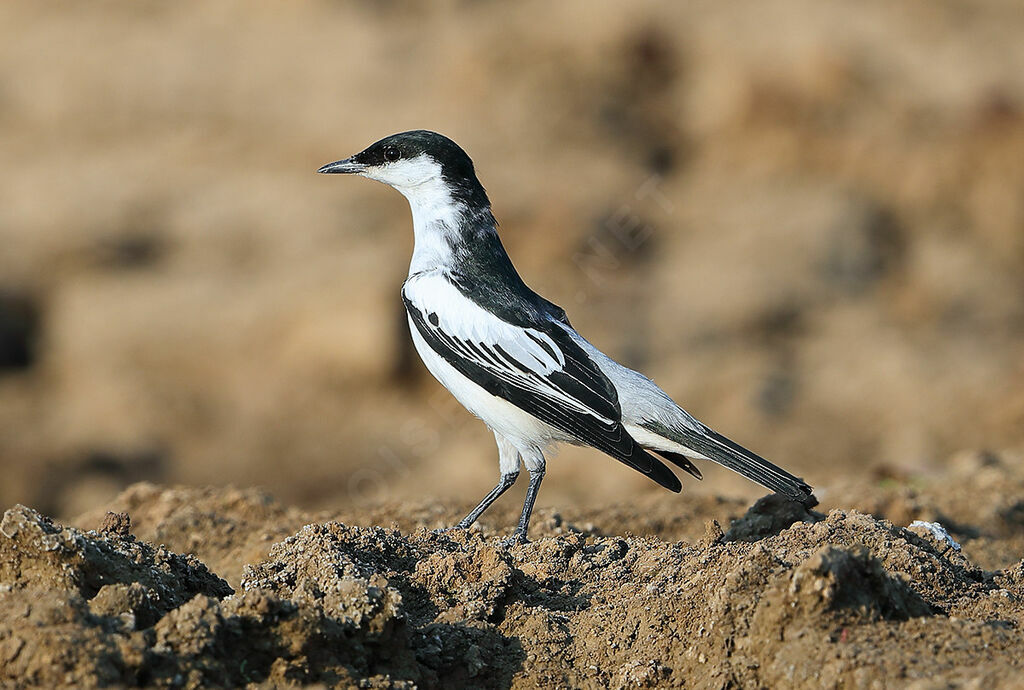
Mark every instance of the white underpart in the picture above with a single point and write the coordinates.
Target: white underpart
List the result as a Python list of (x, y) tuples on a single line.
[(526, 433), (508, 455)]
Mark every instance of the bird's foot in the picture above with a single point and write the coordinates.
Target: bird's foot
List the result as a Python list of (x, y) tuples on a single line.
[(517, 539), (447, 530)]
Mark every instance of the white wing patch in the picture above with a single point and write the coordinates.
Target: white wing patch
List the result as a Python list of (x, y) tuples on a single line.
[(522, 357)]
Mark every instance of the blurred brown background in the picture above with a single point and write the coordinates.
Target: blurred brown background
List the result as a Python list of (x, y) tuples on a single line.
[(805, 220)]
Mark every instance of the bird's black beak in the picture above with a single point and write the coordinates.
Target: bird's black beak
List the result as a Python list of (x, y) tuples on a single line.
[(343, 166)]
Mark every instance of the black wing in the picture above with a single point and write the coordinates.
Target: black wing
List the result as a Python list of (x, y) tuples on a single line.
[(539, 369)]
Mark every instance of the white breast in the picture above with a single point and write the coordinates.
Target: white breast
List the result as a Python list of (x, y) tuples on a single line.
[(522, 429)]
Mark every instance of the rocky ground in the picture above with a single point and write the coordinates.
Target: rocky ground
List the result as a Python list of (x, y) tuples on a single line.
[(199, 587)]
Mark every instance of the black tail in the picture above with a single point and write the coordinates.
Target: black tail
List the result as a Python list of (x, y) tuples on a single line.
[(680, 461), (643, 461), (752, 466)]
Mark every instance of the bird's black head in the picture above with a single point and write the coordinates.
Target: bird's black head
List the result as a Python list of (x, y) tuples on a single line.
[(419, 163)]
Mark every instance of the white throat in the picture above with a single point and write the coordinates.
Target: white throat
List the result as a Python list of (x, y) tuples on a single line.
[(435, 214), (435, 219)]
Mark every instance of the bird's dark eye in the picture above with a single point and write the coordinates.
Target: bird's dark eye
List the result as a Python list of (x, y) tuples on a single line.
[(391, 154)]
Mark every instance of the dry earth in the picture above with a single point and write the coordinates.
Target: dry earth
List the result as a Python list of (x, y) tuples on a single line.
[(782, 598)]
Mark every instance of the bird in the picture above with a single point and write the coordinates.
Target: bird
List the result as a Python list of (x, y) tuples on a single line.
[(511, 357)]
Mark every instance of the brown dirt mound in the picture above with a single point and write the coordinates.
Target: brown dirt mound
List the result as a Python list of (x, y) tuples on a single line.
[(781, 599)]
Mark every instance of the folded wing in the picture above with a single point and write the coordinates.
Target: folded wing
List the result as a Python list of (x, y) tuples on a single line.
[(536, 367)]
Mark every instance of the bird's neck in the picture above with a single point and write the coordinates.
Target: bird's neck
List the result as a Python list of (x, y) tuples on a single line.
[(446, 226)]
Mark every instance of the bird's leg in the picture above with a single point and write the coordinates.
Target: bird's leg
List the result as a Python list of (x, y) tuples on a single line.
[(519, 536), (508, 464), (506, 481)]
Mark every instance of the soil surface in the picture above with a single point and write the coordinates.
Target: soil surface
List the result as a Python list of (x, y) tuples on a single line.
[(241, 590)]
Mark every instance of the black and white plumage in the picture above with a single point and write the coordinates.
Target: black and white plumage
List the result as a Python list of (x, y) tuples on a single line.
[(510, 356)]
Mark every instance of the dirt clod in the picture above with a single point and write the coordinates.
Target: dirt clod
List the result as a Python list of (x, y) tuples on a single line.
[(852, 580), (769, 516), (119, 524), (830, 599)]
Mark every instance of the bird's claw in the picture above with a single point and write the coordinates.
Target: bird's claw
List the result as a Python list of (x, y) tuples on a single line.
[(517, 539)]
